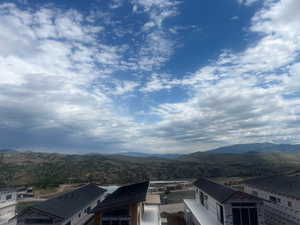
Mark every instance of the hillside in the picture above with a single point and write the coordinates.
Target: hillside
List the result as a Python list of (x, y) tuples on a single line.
[(259, 148), (44, 169)]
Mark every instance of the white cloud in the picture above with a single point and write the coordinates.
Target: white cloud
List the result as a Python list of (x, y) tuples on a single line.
[(159, 42), (47, 72), (61, 87), (242, 96)]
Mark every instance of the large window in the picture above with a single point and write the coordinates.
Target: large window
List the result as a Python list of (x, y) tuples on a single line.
[(8, 197), (244, 214)]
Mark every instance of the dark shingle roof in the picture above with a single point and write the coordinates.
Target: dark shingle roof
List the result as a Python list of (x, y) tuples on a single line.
[(222, 193), (66, 205), (8, 190), (285, 185), (124, 196), (218, 191)]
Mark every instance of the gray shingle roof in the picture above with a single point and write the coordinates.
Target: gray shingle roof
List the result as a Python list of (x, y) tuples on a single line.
[(66, 205), (223, 193), (123, 196), (285, 185)]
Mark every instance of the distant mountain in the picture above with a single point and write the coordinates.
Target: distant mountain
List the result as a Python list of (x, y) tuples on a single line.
[(148, 155), (50, 169), (258, 148), (8, 151)]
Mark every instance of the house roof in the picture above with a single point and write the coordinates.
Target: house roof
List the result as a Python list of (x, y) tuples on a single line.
[(285, 185), (222, 193), (66, 205), (7, 190), (124, 196)]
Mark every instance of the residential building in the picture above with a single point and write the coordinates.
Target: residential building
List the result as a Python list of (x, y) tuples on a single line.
[(216, 204), (72, 208), (282, 198), (128, 206), (8, 200)]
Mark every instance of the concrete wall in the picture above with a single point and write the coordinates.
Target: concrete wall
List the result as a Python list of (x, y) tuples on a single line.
[(279, 213)]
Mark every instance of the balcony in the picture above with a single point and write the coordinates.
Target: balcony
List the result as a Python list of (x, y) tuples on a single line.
[(201, 214)]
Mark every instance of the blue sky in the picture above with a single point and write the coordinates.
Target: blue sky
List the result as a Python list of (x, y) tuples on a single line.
[(161, 76)]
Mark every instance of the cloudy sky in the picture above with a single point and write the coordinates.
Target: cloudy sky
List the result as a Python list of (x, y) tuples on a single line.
[(159, 76)]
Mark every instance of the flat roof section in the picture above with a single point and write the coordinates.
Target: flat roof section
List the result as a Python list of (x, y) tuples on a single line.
[(153, 199)]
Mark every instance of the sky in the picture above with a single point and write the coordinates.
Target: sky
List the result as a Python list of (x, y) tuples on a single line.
[(154, 76)]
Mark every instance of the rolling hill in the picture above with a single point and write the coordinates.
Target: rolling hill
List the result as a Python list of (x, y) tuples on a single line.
[(50, 169)]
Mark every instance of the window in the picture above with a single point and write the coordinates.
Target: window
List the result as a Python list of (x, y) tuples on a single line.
[(290, 204), (88, 209), (79, 215), (220, 212), (202, 198), (244, 216), (273, 199), (115, 222), (8, 197), (105, 222)]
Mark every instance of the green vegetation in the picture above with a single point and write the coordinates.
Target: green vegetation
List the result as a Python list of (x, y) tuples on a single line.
[(44, 170)]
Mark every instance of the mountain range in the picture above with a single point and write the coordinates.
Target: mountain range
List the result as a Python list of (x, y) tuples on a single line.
[(50, 169), (232, 149), (8, 151), (258, 147), (149, 155)]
